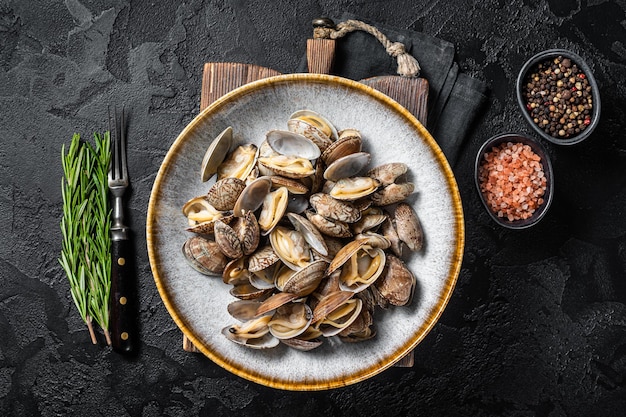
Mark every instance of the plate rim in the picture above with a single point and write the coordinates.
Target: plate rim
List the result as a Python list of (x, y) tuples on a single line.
[(424, 328)]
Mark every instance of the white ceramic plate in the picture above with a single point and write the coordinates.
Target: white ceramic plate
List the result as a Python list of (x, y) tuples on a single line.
[(197, 303)]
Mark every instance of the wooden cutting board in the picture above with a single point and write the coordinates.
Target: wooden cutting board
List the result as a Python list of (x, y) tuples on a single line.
[(221, 77)]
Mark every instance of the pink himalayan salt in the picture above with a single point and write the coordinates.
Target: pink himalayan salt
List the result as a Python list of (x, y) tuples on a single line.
[(512, 180)]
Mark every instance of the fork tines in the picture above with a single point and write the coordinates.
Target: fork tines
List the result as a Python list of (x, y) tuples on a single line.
[(119, 170)]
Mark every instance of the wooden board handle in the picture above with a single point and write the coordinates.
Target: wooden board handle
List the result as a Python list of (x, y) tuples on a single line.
[(320, 54)]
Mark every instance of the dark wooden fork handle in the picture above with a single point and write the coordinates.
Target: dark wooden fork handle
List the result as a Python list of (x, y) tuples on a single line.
[(122, 326)]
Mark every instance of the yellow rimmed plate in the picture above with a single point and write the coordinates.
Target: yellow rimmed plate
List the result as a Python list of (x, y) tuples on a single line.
[(197, 303)]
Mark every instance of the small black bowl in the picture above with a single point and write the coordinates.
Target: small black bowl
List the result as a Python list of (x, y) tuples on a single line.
[(530, 66), (538, 149)]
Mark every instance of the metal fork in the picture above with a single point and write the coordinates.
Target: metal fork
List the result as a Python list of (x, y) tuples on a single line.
[(121, 323)]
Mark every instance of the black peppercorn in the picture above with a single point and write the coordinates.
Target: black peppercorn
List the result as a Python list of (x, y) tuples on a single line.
[(557, 91)]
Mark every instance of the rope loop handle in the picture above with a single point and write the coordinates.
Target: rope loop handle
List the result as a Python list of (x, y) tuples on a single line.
[(324, 28)]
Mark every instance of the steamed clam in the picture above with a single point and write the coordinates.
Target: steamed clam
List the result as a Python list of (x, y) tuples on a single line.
[(290, 320), (331, 208), (289, 166), (347, 166), (397, 283), (349, 142), (302, 282), (289, 143), (328, 226), (335, 312), (239, 163), (224, 193), (291, 247), (253, 333), (313, 126), (353, 188), (308, 236), (360, 265), (204, 256), (201, 215), (409, 227), (216, 153), (274, 207), (393, 187), (240, 239)]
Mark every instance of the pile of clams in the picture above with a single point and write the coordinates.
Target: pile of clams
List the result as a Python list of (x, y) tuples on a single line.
[(308, 236)]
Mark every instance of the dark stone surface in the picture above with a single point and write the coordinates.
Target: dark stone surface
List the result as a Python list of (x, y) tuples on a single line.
[(536, 325)]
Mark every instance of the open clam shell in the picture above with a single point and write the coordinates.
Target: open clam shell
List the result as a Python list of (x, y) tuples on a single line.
[(329, 303), (274, 207), (347, 166), (236, 272), (254, 334), (201, 215), (251, 198), (290, 166), (290, 143), (360, 265), (199, 210), (354, 188), (337, 313), (239, 163), (216, 153), (313, 126), (290, 320), (316, 120), (291, 247), (360, 328), (349, 142), (370, 218), (243, 310), (302, 282), (309, 232), (363, 269)]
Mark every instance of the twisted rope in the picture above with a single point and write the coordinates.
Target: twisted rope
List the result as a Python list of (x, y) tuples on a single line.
[(407, 64)]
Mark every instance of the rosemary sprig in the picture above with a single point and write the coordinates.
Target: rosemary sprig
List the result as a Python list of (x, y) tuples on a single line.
[(85, 226)]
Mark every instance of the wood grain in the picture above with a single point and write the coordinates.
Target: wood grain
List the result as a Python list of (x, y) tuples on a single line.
[(411, 93), (219, 78), (320, 54)]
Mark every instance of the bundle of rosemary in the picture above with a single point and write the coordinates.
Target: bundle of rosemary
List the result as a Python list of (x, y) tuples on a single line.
[(85, 225)]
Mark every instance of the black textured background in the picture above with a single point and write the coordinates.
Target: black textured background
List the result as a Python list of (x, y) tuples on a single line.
[(536, 325)]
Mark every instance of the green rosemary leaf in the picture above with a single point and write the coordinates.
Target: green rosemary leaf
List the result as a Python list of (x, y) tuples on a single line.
[(85, 227)]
